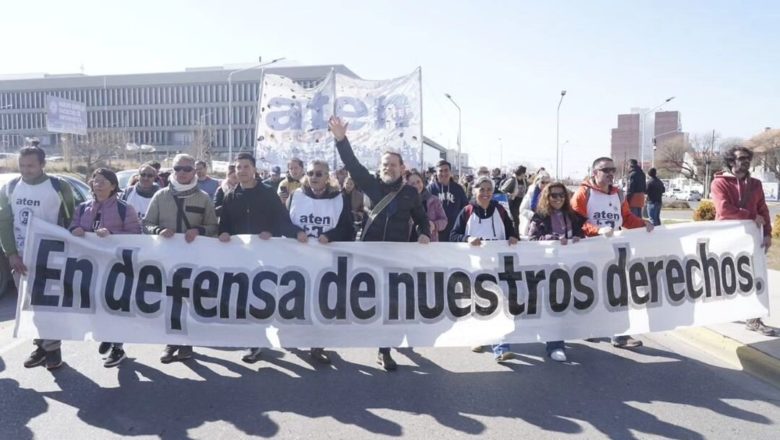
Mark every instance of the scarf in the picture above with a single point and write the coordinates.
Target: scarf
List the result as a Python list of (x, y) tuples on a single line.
[(179, 188)]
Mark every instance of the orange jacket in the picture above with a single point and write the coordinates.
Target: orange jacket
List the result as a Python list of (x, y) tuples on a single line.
[(579, 203)]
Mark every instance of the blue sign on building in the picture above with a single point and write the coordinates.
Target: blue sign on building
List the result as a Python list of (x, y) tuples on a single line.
[(66, 116)]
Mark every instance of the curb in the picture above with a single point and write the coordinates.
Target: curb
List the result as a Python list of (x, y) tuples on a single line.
[(751, 360)]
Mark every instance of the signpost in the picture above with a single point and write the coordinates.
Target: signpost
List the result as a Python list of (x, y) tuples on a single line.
[(66, 116)]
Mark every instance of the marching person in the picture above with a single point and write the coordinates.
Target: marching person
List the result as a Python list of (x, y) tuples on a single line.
[(451, 194), (253, 208), (515, 188), (655, 196), (227, 185), (636, 187), (47, 198), (140, 195), (393, 204), (104, 215), (739, 196), (607, 211), (292, 180), (556, 220), (437, 218), (181, 208), (485, 219), (529, 203), (205, 182), (323, 212)]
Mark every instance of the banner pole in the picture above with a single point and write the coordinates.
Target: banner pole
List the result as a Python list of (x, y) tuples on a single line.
[(259, 117), (335, 152), (422, 136)]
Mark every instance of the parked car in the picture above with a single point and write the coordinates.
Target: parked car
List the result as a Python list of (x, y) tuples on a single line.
[(81, 193), (124, 177), (688, 196)]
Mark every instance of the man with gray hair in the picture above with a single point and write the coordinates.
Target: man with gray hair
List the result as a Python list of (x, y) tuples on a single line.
[(181, 208)]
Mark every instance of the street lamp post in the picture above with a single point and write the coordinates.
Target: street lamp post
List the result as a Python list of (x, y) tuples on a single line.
[(642, 117), (230, 99), (557, 137), (656, 136), (460, 174)]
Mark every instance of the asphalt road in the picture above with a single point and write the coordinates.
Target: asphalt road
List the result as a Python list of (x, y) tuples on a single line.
[(666, 389)]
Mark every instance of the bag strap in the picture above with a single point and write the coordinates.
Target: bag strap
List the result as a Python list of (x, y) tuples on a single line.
[(378, 208), (180, 208)]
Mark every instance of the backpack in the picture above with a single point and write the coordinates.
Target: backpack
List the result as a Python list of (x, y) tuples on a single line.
[(621, 194), (56, 183)]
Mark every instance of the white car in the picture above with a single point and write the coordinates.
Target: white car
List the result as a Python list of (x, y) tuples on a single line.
[(688, 196)]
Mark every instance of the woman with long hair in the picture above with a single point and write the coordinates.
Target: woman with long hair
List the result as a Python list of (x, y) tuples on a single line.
[(531, 200), (556, 220), (437, 218)]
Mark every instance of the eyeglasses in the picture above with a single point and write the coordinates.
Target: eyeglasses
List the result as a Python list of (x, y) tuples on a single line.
[(607, 170), (557, 195), (184, 168), (316, 174), (149, 175)]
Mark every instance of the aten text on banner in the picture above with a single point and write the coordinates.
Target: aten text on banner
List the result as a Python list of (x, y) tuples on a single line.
[(293, 120), (282, 293)]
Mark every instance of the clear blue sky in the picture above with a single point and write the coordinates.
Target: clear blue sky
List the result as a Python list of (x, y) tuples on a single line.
[(505, 62)]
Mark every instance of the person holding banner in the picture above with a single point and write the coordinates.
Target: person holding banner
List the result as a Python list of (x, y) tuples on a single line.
[(607, 211), (104, 215), (393, 204), (437, 219), (323, 212), (47, 198), (738, 196), (485, 219), (181, 208), (555, 220), (450, 193), (253, 208)]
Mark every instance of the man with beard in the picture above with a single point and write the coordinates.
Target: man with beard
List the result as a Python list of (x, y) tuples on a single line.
[(392, 203), (253, 208), (607, 211), (453, 197), (181, 208), (738, 196)]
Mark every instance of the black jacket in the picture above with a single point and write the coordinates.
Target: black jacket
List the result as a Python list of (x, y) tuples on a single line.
[(392, 224), (655, 190), (255, 210), (637, 182), (541, 227)]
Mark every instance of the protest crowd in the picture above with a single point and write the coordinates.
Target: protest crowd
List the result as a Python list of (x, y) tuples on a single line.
[(393, 204)]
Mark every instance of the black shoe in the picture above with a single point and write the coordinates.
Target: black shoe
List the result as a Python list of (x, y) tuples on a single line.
[(53, 359), (252, 355), (185, 352), (758, 326), (169, 354), (386, 361), (37, 357), (626, 342), (104, 347), (319, 355), (115, 358)]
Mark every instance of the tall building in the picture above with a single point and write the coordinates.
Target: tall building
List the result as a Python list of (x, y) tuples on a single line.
[(164, 110), (645, 137)]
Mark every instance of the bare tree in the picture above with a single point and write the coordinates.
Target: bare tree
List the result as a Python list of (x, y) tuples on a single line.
[(697, 160), (97, 147), (201, 142), (767, 147)]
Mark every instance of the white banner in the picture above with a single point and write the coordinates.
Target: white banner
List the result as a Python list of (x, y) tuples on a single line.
[(282, 293), (293, 120)]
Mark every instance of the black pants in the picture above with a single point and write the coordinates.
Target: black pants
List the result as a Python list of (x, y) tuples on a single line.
[(514, 211)]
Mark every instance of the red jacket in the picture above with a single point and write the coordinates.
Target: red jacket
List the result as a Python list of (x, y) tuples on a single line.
[(727, 191), (579, 203)]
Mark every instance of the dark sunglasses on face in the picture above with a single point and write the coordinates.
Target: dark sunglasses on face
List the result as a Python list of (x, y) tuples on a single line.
[(317, 174), (149, 175), (607, 169), (185, 168), (557, 195)]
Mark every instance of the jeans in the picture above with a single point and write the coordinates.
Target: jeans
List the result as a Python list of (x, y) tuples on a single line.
[(500, 349), (637, 212), (654, 210)]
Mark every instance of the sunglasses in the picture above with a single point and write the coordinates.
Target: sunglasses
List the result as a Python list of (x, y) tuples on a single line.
[(185, 168), (316, 174), (607, 170), (557, 195), (149, 175)]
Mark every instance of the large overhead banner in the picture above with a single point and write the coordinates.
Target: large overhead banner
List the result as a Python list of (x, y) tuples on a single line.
[(382, 115), (281, 293)]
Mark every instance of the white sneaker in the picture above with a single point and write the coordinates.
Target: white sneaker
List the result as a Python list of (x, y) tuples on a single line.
[(558, 355)]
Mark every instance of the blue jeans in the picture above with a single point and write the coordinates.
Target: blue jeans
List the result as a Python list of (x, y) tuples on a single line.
[(499, 349), (637, 212), (654, 210)]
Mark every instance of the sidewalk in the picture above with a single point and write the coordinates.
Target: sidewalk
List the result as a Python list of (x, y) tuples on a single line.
[(755, 354)]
